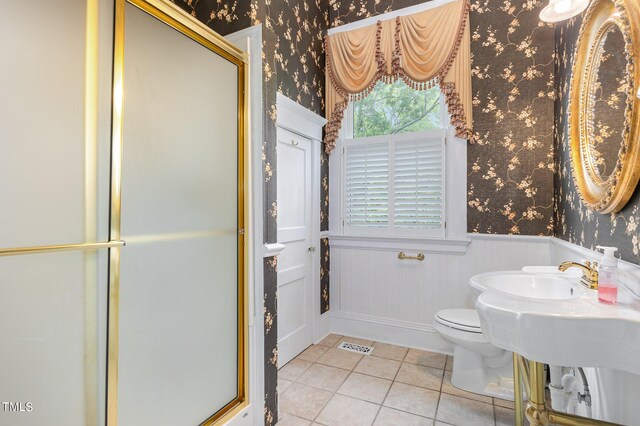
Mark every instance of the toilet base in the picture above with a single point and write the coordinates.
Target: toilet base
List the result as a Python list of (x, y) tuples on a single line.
[(471, 373)]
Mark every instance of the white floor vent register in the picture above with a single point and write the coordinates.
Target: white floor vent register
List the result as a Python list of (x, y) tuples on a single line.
[(352, 347)]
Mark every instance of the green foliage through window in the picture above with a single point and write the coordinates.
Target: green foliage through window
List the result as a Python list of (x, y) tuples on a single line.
[(397, 108)]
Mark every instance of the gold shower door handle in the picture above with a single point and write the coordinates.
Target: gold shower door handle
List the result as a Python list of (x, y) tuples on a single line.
[(62, 247)]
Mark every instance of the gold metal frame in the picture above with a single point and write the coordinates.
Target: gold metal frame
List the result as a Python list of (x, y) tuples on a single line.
[(611, 194), (195, 30), (537, 410)]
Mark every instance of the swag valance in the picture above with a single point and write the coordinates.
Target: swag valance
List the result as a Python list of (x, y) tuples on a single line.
[(423, 49)]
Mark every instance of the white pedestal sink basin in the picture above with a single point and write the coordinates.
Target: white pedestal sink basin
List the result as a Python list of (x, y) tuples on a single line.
[(554, 320)]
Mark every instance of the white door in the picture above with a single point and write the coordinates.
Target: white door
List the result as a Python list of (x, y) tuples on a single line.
[(295, 330)]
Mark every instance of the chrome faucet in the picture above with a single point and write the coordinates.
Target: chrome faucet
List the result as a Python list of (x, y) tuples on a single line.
[(589, 273)]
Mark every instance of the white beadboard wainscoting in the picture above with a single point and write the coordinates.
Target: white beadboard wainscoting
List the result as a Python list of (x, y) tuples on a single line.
[(375, 295)]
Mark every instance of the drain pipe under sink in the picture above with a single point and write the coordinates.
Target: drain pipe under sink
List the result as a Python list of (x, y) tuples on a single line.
[(556, 388), (572, 396)]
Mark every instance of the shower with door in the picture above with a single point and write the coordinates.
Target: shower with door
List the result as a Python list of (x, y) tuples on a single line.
[(122, 236)]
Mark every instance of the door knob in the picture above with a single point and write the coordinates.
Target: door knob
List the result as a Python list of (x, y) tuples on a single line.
[(311, 249)]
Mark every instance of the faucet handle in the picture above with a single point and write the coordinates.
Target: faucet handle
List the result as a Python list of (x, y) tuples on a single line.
[(591, 265)]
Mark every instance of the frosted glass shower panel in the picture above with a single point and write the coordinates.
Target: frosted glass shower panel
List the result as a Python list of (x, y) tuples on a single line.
[(178, 356), (50, 344), (42, 122)]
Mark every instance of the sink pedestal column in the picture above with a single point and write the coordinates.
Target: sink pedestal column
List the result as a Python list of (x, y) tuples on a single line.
[(537, 411)]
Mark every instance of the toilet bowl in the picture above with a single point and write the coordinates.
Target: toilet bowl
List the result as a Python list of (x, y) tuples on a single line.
[(478, 365)]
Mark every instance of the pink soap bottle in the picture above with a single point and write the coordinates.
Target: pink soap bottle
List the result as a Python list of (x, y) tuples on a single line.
[(607, 276)]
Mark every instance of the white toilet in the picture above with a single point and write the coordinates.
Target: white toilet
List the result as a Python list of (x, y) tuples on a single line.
[(478, 365)]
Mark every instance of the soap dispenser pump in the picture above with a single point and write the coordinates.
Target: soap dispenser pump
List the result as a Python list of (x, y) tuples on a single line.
[(607, 276)]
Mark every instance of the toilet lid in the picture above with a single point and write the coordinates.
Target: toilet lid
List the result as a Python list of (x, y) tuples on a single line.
[(460, 319)]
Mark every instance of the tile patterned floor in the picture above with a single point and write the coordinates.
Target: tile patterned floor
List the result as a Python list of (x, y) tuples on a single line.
[(394, 386)]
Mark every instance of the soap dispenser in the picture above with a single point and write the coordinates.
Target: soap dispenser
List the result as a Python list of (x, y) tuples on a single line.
[(607, 276)]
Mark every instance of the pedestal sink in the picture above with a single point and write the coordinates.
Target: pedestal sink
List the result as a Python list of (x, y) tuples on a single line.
[(556, 321), (549, 319)]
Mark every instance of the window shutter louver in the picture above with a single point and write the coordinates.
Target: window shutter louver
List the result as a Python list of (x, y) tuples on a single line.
[(394, 185), (418, 183), (367, 185)]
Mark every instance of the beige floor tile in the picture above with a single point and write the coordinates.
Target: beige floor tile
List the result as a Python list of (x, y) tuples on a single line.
[(504, 403), (379, 367), (368, 388), (385, 350), (283, 384), (412, 399), (294, 369), (447, 387), (390, 417), (303, 401), (289, 420), (324, 377), (354, 340), (449, 365), (505, 416), (419, 375), (463, 412), (343, 410), (428, 359), (330, 340), (312, 353), (340, 358)]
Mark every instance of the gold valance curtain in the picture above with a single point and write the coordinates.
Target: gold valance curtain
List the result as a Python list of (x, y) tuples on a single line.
[(422, 49)]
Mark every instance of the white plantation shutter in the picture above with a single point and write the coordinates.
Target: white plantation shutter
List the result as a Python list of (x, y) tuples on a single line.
[(367, 185), (418, 183), (394, 185)]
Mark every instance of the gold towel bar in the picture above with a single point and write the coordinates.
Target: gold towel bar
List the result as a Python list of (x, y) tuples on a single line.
[(403, 256), (63, 247)]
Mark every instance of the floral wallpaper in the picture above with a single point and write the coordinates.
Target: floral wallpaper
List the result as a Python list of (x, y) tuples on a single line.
[(324, 275), (573, 221), (270, 341), (511, 167)]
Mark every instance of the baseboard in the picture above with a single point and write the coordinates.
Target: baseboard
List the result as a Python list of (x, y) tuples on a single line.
[(403, 333)]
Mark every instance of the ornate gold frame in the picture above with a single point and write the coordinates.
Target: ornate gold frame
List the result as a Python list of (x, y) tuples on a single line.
[(190, 27), (610, 195)]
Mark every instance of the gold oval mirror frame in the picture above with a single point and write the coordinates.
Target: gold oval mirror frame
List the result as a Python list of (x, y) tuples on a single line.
[(604, 105)]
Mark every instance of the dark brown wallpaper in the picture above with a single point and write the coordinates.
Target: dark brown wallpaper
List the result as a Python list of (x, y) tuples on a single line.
[(325, 266), (510, 169), (573, 221)]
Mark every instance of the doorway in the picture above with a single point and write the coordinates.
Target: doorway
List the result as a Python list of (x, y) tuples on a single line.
[(295, 283)]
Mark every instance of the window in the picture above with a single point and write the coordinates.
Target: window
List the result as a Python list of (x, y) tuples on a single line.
[(393, 167), (397, 108)]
